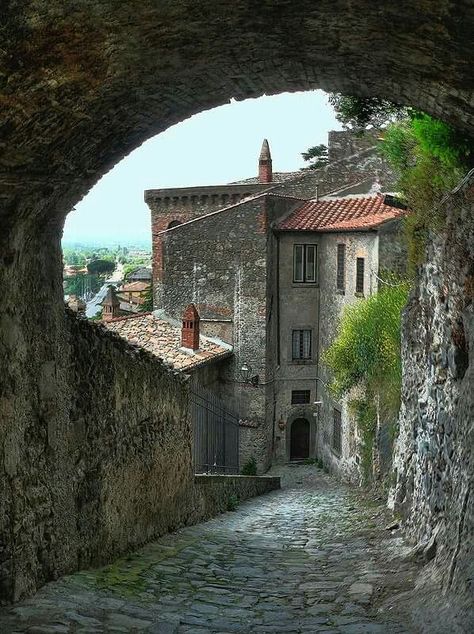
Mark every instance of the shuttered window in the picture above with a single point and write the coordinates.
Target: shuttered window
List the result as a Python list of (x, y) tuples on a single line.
[(341, 267), (337, 432), (301, 344), (305, 267), (360, 264)]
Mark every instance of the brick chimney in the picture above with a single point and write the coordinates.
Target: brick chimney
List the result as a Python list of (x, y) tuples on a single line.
[(190, 328), (110, 305), (265, 164)]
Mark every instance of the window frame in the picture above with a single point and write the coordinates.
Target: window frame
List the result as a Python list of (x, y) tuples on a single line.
[(305, 264), (301, 345), (360, 277), (306, 399), (341, 267)]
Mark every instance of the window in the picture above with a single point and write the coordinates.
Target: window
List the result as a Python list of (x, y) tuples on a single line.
[(360, 275), (301, 344), (305, 263), (337, 432), (300, 397), (341, 267)]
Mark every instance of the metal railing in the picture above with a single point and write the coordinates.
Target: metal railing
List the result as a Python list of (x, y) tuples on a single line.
[(216, 434)]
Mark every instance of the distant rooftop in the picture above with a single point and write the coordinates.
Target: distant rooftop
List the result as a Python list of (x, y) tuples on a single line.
[(350, 213), (139, 274), (164, 341)]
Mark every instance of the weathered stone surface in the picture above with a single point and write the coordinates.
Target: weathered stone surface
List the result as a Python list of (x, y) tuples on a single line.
[(434, 460), (82, 84), (255, 573), (108, 470)]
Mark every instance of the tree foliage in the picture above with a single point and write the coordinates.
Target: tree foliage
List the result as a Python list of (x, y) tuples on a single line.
[(359, 113), (365, 359), (101, 267), (318, 155), (430, 157), (366, 350), (147, 305)]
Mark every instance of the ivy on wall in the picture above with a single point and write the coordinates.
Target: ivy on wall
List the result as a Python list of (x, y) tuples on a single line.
[(365, 359)]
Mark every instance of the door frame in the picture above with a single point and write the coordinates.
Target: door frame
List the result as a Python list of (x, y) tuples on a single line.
[(307, 415)]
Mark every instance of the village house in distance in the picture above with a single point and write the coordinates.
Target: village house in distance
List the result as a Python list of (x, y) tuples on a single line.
[(265, 267)]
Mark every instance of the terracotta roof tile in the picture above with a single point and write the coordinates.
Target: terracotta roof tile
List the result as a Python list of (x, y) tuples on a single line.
[(341, 214), (164, 340), (135, 287)]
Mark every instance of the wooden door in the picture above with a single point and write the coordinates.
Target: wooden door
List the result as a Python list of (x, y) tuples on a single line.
[(299, 439)]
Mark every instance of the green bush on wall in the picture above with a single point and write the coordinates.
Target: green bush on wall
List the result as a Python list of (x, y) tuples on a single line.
[(366, 355), (250, 467)]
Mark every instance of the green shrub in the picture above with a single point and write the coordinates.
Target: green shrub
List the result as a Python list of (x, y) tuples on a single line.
[(232, 502), (366, 350), (366, 356), (430, 157), (250, 467)]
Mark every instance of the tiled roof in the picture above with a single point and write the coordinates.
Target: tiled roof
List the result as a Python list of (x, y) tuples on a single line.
[(143, 273), (135, 287), (350, 213), (164, 340)]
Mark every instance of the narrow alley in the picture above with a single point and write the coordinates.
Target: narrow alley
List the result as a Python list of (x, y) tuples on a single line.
[(316, 556)]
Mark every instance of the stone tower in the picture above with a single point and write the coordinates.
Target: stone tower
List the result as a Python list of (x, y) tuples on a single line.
[(110, 305), (265, 164)]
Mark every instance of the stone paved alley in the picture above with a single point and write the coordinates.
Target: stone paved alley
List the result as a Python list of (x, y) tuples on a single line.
[(313, 557)]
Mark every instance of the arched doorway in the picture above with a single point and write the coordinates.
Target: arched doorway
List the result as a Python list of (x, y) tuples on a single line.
[(299, 439)]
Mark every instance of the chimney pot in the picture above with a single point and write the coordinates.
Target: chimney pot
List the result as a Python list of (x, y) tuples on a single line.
[(190, 328), (265, 174)]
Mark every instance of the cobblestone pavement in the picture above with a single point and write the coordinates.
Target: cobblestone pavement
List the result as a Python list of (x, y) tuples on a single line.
[(313, 557)]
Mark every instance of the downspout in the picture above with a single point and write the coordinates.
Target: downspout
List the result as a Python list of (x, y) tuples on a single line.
[(318, 373)]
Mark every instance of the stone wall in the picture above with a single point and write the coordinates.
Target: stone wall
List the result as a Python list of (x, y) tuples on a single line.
[(434, 458), (367, 165), (113, 472), (219, 262), (215, 493), (105, 473)]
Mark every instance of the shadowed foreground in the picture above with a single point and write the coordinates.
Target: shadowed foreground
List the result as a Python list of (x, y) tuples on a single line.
[(313, 557)]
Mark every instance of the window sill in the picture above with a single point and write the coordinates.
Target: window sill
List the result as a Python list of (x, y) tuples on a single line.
[(305, 284), (359, 294), (340, 292), (301, 362)]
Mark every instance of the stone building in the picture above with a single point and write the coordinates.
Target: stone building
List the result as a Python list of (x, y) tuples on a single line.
[(269, 264)]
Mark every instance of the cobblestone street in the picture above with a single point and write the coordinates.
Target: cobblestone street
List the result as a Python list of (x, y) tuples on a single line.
[(313, 557)]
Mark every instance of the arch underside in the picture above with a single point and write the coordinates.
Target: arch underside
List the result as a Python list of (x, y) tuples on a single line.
[(87, 84), (84, 83)]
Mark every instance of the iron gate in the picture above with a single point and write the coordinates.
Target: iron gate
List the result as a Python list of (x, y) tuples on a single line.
[(216, 434)]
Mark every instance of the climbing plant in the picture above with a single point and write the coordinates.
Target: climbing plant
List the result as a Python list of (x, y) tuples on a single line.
[(365, 360), (430, 157)]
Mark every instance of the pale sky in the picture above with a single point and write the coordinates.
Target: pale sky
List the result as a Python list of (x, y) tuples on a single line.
[(214, 147)]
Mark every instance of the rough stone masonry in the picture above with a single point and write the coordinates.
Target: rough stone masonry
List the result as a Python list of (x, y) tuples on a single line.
[(82, 84)]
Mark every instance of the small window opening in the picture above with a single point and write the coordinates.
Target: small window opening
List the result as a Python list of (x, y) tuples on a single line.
[(300, 397), (301, 344), (341, 267), (360, 265)]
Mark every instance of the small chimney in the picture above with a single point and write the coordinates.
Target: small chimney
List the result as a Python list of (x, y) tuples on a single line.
[(110, 305), (190, 328), (265, 164)]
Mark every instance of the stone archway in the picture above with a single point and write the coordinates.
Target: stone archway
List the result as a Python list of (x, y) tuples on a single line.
[(82, 84)]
